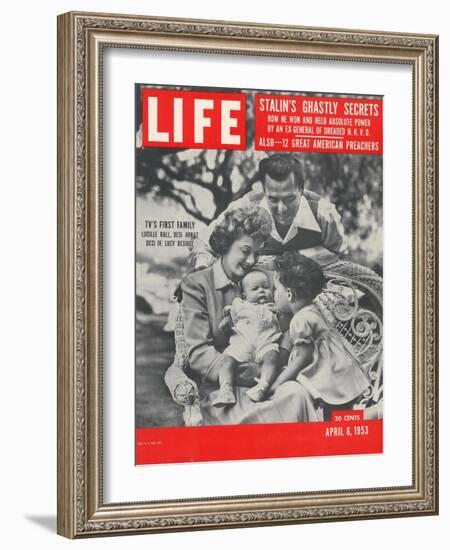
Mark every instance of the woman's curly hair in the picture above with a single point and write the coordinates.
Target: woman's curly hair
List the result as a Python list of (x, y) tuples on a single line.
[(253, 221), (302, 275)]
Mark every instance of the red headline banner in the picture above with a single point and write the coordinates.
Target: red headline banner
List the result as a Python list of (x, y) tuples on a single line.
[(172, 118), (350, 435), (318, 124)]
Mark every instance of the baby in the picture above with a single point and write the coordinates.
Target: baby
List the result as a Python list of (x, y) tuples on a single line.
[(256, 332), (319, 360)]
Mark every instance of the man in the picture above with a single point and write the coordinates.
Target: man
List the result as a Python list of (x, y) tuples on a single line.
[(302, 220)]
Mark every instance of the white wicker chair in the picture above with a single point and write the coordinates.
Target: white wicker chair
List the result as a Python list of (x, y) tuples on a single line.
[(352, 302)]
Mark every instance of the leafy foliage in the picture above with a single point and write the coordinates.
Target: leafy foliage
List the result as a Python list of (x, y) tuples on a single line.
[(204, 182)]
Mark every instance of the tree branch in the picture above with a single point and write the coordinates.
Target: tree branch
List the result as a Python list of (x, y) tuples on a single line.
[(178, 177), (195, 214)]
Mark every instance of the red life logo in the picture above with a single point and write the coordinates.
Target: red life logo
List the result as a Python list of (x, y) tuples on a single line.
[(197, 120)]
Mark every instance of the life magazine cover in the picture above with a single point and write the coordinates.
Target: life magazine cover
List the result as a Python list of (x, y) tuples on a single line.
[(259, 265)]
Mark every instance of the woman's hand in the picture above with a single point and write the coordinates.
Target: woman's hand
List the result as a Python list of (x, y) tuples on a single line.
[(226, 324)]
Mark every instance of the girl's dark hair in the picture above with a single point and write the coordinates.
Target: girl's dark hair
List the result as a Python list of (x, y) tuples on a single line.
[(302, 275), (251, 220)]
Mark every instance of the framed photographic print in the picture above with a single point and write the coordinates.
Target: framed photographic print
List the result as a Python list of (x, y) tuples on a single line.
[(247, 284)]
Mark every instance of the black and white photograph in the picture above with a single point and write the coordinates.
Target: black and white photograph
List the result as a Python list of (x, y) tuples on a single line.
[(259, 273)]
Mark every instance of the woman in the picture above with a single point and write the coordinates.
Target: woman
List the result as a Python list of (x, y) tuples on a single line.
[(236, 241)]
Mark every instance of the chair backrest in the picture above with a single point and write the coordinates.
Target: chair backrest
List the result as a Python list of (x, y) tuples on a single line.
[(360, 328)]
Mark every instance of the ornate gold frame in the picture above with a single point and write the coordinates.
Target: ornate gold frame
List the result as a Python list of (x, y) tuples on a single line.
[(81, 37)]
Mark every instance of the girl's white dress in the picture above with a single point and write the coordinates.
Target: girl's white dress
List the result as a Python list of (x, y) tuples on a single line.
[(334, 375)]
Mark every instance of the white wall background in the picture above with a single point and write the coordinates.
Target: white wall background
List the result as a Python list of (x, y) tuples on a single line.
[(28, 273)]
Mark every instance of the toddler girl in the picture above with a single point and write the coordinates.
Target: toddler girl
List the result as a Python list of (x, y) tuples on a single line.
[(319, 359)]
